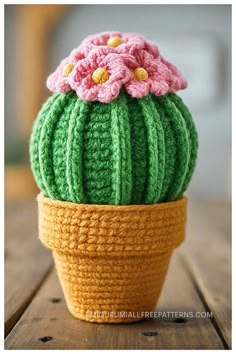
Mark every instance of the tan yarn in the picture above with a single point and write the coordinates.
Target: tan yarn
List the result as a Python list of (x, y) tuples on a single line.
[(111, 260)]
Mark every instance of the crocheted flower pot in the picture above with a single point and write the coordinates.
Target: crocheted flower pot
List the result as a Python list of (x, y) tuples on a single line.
[(113, 150), (111, 260)]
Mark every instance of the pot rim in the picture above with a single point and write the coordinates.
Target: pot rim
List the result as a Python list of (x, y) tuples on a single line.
[(118, 231), (121, 208)]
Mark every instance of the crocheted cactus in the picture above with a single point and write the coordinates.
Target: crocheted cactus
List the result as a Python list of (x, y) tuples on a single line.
[(114, 131)]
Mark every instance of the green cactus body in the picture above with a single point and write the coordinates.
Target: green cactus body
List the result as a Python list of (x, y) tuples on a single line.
[(130, 151)]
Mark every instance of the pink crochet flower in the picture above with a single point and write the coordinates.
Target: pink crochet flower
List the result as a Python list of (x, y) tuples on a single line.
[(129, 43), (147, 75), (100, 76), (58, 81)]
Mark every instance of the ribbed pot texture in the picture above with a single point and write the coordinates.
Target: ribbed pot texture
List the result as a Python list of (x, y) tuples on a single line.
[(111, 260), (131, 151)]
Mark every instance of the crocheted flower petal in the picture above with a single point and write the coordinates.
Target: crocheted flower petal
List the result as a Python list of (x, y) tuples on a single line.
[(158, 85), (82, 70), (147, 61), (87, 90), (99, 41), (152, 49), (117, 68), (129, 60), (57, 82), (76, 54), (141, 43), (132, 43), (109, 92), (176, 80), (138, 89), (104, 93)]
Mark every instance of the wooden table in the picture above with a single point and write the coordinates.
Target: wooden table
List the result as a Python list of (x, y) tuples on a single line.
[(199, 281)]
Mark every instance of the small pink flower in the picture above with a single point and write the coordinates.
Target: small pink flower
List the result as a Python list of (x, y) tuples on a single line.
[(58, 81), (147, 75), (100, 76), (118, 42)]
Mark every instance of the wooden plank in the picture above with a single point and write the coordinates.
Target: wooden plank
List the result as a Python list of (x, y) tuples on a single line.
[(26, 261), (47, 324), (207, 255)]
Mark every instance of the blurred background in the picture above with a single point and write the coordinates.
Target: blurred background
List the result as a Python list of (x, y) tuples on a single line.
[(196, 38)]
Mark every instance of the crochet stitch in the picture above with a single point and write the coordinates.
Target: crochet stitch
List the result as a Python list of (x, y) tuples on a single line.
[(133, 151)]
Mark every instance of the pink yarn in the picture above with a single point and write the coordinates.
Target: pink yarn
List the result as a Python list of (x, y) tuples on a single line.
[(120, 62)]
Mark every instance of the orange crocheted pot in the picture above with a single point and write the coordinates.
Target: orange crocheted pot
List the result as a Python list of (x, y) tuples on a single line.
[(111, 260)]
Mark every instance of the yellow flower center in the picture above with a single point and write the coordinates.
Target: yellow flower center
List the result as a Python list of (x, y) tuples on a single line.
[(140, 74), (100, 75), (67, 69), (114, 42)]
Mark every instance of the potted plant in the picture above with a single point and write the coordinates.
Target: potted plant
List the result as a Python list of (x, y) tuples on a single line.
[(113, 150)]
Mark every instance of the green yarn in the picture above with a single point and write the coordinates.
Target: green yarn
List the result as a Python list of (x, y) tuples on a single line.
[(36, 133), (139, 151), (131, 151), (193, 139), (59, 147), (156, 146), (74, 150), (45, 156), (97, 155), (121, 151), (182, 143)]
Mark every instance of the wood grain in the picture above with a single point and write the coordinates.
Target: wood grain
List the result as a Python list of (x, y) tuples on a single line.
[(47, 324), (207, 255), (26, 261)]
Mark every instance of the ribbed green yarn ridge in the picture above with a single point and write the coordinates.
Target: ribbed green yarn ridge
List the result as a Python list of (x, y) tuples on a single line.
[(120, 130), (155, 143), (182, 146), (97, 155), (131, 151), (170, 149), (45, 147), (35, 136), (59, 147), (74, 151), (193, 139), (139, 151)]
